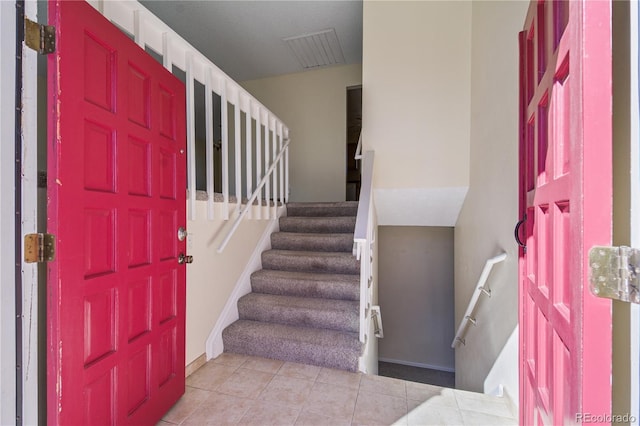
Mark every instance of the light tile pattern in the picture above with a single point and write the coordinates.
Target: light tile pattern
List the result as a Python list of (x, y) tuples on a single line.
[(243, 390)]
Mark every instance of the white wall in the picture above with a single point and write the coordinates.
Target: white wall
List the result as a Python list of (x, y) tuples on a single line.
[(416, 98), (212, 276), (314, 106), (7, 217), (415, 291), (486, 222), (504, 373)]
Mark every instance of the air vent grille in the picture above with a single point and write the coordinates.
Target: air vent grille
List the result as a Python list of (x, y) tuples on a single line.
[(318, 49)]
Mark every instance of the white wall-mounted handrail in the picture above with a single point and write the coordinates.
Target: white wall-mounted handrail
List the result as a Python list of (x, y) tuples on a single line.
[(480, 289), (253, 197)]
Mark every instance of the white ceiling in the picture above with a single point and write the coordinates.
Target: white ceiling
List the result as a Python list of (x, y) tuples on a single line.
[(244, 38)]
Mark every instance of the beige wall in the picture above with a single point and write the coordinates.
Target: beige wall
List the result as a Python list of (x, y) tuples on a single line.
[(415, 292), (212, 276), (314, 106), (415, 78), (485, 225)]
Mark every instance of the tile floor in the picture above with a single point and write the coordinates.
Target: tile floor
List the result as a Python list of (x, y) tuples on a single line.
[(236, 389)]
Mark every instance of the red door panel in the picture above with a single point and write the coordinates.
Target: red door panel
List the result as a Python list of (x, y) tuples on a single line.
[(116, 293), (565, 194)]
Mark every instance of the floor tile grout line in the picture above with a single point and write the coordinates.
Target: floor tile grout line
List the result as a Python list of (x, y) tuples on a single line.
[(353, 415), (196, 409), (265, 388), (406, 403)]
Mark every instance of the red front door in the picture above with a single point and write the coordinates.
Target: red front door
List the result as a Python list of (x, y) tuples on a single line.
[(565, 193), (116, 189)]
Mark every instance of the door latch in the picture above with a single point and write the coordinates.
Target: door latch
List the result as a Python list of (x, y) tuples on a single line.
[(615, 273), (39, 248), (182, 258)]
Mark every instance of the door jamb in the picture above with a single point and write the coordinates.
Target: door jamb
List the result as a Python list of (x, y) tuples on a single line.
[(28, 184), (634, 325), (7, 221)]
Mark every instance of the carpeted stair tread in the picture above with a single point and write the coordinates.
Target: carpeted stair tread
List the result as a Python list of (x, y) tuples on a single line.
[(336, 225), (327, 348), (304, 306), (311, 261), (306, 284), (301, 311), (312, 241), (343, 208)]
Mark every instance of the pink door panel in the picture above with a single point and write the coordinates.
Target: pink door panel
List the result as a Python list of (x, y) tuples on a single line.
[(116, 293), (565, 193)]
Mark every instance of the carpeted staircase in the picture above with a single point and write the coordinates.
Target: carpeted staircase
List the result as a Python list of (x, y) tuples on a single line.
[(304, 302)]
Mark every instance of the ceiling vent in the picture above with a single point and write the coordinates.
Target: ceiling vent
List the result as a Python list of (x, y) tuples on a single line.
[(317, 49)]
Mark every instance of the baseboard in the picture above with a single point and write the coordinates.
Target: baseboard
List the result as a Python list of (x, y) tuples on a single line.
[(195, 364), (418, 364), (512, 403), (229, 315)]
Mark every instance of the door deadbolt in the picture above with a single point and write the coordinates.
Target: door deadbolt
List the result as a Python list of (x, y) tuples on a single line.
[(182, 258), (182, 233)]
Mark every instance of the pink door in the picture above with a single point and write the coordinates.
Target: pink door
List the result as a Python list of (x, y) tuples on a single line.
[(116, 293), (565, 193)]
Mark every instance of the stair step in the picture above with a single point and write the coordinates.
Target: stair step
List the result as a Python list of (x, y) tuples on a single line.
[(300, 311), (304, 284), (337, 225), (312, 242), (326, 348), (311, 261), (342, 208)]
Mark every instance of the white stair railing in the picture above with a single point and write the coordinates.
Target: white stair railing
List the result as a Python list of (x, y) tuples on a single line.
[(364, 244), (269, 132), (481, 288)]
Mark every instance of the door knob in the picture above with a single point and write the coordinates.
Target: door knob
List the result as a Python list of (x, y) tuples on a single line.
[(182, 258), (182, 233)]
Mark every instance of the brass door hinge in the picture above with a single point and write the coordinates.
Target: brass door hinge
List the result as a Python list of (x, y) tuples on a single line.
[(39, 248), (615, 273), (39, 37)]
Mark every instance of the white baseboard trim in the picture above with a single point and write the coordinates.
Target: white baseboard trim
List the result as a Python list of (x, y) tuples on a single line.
[(214, 346), (498, 391), (418, 364), (512, 403)]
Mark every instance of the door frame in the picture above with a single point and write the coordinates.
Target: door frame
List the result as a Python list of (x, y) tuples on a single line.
[(7, 223), (634, 317), (31, 366), (18, 386), (626, 224)]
